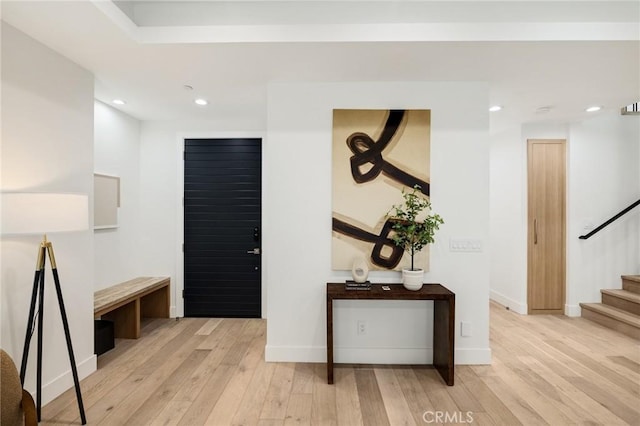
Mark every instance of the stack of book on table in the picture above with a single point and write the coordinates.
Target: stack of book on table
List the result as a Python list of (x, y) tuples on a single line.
[(352, 285)]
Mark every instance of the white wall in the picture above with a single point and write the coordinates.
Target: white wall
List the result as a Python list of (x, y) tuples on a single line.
[(509, 210), (603, 180), (602, 173), (509, 220), (117, 153), (47, 146), (297, 218), (161, 174)]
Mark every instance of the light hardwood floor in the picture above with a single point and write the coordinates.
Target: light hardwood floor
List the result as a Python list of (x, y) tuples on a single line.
[(546, 370)]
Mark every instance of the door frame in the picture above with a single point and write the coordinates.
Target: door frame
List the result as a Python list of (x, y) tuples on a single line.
[(563, 142), (179, 281)]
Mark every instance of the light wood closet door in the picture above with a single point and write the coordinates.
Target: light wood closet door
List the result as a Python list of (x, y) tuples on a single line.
[(546, 239)]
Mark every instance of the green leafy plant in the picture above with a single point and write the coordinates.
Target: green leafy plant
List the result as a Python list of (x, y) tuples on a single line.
[(411, 233)]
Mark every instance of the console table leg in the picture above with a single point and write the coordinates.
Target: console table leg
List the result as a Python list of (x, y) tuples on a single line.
[(329, 341), (443, 338)]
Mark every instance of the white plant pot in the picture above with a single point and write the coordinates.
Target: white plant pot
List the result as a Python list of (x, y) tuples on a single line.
[(412, 280)]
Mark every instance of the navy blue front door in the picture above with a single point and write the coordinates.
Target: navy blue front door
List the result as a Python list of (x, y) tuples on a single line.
[(222, 219)]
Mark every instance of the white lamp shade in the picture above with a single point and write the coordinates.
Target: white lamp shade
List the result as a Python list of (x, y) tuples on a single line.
[(43, 213)]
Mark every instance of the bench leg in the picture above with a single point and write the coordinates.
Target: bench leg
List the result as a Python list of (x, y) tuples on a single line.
[(126, 320), (156, 304)]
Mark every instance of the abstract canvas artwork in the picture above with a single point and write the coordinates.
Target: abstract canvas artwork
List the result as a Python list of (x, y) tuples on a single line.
[(375, 154)]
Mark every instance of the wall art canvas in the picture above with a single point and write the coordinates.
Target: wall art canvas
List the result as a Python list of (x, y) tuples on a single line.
[(375, 154)]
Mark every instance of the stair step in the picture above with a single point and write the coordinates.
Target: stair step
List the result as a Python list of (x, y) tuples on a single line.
[(631, 283), (613, 318), (622, 299)]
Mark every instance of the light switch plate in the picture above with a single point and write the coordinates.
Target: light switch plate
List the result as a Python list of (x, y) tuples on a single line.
[(465, 245)]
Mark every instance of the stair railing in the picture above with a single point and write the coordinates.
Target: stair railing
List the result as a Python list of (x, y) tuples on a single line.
[(608, 222)]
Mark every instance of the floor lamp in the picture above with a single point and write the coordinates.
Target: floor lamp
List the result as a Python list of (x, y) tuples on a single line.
[(42, 213)]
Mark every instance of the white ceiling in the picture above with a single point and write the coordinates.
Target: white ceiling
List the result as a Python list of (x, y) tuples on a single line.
[(564, 55)]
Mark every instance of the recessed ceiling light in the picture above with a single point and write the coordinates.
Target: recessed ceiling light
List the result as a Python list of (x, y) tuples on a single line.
[(495, 108), (118, 102), (593, 109), (201, 101)]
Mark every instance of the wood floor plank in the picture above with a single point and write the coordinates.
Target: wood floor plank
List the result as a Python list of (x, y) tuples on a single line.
[(417, 399), (202, 405), (145, 380), (580, 330), (215, 383), (248, 412), (193, 386), (479, 418), (567, 367), (586, 408), (228, 327), (464, 400), (626, 363), (164, 393), (298, 410), (545, 370), (396, 406), (229, 402), (488, 400), (432, 385), (209, 326), (512, 373), (551, 348), (147, 345), (277, 398), (625, 412), (171, 414), (633, 387), (520, 408), (323, 402), (591, 347), (529, 373), (303, 378), (109, 389), (270, 422), (90, 396), (371, 402), (121, 360), (348, 409), (245, 338)]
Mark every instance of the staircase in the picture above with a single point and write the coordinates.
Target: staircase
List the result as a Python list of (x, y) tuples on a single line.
[(620, 309)]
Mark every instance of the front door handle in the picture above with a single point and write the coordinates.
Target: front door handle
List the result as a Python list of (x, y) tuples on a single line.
[(254, 251)]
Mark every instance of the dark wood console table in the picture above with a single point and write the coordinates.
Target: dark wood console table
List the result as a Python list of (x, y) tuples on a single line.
[(444, 310)]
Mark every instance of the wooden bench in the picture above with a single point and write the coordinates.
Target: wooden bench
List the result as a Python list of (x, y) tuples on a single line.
[(126, 303)]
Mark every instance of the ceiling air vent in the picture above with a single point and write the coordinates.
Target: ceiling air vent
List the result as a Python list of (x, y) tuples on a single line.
[(633, 109)]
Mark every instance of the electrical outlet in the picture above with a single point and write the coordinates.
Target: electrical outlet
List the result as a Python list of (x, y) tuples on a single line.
[(362, 327)]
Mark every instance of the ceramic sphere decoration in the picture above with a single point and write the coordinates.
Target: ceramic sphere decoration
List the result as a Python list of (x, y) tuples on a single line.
[(360, 270), (412, 280)]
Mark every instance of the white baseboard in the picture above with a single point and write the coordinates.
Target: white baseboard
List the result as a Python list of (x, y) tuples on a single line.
[(572, 310), (475, 356), (295, 353), (172, 311), (62, 383), (383, 355), (514, 305), (463, 356)]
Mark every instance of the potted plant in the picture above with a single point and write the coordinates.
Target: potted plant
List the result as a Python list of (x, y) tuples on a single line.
[(412, 233)]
